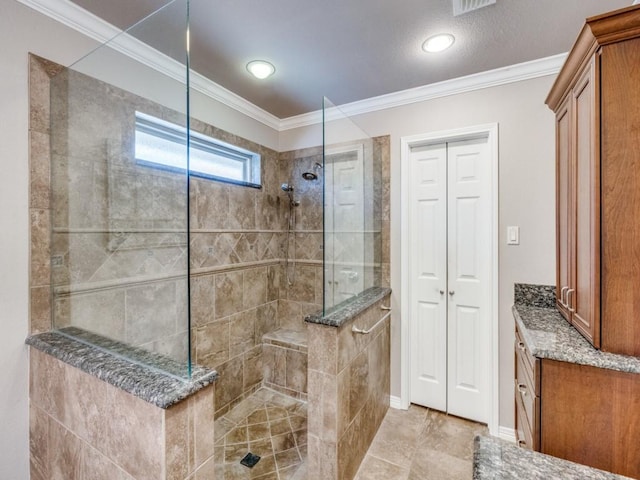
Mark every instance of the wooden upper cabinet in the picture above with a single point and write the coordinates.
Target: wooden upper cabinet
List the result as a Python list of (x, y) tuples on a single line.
[(584, 296), (577, 207), (564, 218), (596, 98)]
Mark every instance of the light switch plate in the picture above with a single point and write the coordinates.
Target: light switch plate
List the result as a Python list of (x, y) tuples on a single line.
[(513, 235)]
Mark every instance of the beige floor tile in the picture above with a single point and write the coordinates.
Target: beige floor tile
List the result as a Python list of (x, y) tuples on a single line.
[(397, 437), (283, 442), (436, 465), (237, 435), (258, 431), (295, 472), (373, 468), (264, 466), (221, 428), (262, 448), (421, 444), (268, 476), (234, 453), (257, 416), (288, 458), (449, 434)]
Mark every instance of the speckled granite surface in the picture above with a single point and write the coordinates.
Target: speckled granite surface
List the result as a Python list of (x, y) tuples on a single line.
[(534, 295), (345, 311), (156, 379), (495, 459), (548, 335)]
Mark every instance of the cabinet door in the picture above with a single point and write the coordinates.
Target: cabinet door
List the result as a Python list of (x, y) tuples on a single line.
[(584, 294), (564, 217), (620, 124)]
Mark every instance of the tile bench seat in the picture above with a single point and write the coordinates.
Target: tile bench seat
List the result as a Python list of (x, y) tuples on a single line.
[(285, 362)]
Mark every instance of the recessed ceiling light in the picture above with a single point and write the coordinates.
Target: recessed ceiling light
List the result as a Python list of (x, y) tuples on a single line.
[(261, 69), (438, 43)]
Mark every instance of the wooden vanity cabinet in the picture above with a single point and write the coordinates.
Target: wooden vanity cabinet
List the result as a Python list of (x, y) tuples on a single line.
[(596, 99), (527, 395), (588, 416), (580, 413)]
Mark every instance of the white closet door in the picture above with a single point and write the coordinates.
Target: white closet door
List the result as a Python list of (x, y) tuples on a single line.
[(469, 278), (428, 267), (450, 277)]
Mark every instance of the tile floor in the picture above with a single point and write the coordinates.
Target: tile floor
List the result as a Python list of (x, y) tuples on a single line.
[(421, 444), (268, 424), (418, 444)]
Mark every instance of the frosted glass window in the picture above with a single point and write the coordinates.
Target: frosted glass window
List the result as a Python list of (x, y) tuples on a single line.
[(163, 144)]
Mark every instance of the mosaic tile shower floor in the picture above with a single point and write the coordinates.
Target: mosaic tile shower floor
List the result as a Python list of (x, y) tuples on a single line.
[(268, 424)]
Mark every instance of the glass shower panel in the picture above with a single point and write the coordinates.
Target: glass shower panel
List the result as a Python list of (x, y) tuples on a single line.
[(119, 220), (352, 209)]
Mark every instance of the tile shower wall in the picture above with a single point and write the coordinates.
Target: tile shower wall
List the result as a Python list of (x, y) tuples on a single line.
[(119, 247), (118, 251), (239, 284), (40, 304), (301, 285), (118, 230), (236, 255), (349, 377), (78, 423)]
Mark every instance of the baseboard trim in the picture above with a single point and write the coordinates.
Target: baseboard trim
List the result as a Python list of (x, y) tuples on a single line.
[(507, 434), (395, 402)]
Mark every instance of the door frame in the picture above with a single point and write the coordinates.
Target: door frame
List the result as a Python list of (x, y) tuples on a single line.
[(406, 144)]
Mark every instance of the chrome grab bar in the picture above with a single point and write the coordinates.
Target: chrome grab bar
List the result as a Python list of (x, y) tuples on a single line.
[(355, 329)]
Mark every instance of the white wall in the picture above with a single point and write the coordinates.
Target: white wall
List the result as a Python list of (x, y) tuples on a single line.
[(20, 32), (526, 196), (23, 30)]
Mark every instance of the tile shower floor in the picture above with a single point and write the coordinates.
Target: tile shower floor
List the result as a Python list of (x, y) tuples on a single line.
[(418, 444), (268, 424)]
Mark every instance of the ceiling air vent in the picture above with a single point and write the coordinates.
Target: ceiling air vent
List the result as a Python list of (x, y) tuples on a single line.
[(465, 6)]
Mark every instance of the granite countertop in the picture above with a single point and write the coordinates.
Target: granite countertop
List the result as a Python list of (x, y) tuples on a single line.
[(154, 378), (495, 459), (345, 311), (548, 335)]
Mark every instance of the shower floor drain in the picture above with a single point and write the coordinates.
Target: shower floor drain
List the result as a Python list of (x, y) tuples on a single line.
[(250, 460)]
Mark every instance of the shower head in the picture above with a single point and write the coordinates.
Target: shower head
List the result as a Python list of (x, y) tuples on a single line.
[(289, 191), (313, 175)]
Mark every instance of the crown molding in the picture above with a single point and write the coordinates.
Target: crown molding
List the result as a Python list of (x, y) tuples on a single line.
[(79, 19), (491, 78)]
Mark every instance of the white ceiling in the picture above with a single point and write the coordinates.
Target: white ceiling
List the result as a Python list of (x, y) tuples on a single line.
[(348, 50)]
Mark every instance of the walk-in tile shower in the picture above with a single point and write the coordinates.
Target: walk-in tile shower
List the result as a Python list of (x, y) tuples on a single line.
[(175, 237)]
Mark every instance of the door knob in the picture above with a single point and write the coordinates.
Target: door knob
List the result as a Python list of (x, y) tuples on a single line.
[(452, 292), (441, 292)]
